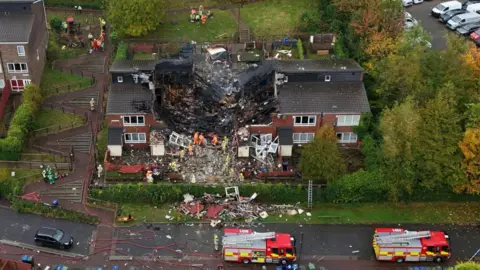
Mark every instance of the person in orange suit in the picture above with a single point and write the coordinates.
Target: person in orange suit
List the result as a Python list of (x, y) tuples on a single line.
[(215, 140), (195, 138), (204, 19), (201, 139), (190, 150)]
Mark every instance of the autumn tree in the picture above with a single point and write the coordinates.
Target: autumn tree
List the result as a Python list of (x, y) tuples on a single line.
[(437, 145), (467, 266), (400, 130), (470, 147), (472, 59), (135, 17), (321, 159)]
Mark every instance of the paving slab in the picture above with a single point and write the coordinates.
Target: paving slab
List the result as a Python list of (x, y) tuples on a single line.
[(22, 228)]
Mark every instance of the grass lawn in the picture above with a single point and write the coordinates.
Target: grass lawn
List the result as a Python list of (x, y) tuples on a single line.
[(179, 28), (437, 212), (36, 156), (57, 120), (102, 137), (188, 4), (53, 79), (274, 17), (283, 56), (5, 173), (142, 56)]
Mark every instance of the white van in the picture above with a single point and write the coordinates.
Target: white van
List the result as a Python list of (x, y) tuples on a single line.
[(463, 19), (475, 8), (444, 7)]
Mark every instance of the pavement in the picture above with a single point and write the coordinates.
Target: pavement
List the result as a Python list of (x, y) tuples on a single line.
[(437, 30), (22, 228), (325, 242)]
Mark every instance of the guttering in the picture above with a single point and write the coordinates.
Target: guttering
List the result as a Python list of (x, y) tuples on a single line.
[(13, 43)]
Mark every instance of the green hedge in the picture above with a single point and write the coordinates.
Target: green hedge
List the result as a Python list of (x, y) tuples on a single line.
[(122, 51), (90, 4), (11, 188), (12, 146), (300, 49), (24, 206)]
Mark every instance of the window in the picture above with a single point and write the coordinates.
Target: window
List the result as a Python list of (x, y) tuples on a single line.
[(303, 137), (134, 120), (445, 249), (27, 82), (135, 138), (17, 85), (21, 50), (2, 83), (308, 120), (120, 79), (328, 78), (347, 137), (348, 120), (275, 250), (17, 67)]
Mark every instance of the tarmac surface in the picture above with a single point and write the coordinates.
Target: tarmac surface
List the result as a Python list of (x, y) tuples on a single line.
[(320, 242), (22, 228)]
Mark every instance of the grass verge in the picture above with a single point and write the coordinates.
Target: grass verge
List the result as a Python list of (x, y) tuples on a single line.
[(179, 28), (142, 56), (438, 212), (56, 81), (57, 120), (272, 18)]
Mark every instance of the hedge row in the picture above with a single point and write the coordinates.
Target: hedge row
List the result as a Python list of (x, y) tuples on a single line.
[(12, 146), (24, 206), (122, 51), (359, 187), (89, 4)]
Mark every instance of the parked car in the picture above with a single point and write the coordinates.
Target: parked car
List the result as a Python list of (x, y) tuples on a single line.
[(417, 1), (445, 17), (473, 8), (444, 7), (469, 28), (462, 19), (409, 21), (407, 3), (52, 237), (470, 2), (475, 35)]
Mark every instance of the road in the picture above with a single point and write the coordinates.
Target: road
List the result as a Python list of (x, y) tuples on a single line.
[(320, 242), (22, 228)]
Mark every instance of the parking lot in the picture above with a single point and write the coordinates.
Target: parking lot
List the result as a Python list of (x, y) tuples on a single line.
[(437, 30)]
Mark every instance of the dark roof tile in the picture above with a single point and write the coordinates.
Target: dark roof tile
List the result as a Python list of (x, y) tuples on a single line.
[(114, 136), (16, 27), (132, 65), (326, 97), (316, 65), (129, 99), (285, 135)]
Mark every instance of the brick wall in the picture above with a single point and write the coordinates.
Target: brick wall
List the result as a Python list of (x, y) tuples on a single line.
[(36, 51), (116, 121), (10, 55)]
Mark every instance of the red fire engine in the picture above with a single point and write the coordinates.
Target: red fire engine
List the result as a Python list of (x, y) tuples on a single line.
[(248, 246), (399, 245)]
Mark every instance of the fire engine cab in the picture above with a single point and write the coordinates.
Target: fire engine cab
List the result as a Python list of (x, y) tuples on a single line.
[(399, 245), (247, 246)]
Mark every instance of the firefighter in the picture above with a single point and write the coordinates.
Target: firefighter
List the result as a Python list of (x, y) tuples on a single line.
[(173, 166), (204, 19), (195, 138), (190, 150), (201, 139), (215, 140), (182, 154), (92, 104)]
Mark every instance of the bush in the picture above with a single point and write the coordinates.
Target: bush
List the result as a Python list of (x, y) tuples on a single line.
[(10, 188), (56, 24), (24, 206), (122, 51), (300, 49), (91, 4), (360, 186), (53, 49)]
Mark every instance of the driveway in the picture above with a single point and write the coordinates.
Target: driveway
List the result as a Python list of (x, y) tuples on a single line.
[(328, 242), (421, 12), (22, 228)]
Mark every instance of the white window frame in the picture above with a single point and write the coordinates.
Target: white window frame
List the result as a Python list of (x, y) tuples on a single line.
[(120, 79), (2, 83), (130, 117), (138, 135), (348, 120), (26, 82), (347, 137), (17, 71), (303, 137), (328, 78), (17, 88), (21, 50), (308, 124)]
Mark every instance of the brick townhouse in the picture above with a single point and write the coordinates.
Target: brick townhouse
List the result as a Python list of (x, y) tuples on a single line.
[(23, 42)]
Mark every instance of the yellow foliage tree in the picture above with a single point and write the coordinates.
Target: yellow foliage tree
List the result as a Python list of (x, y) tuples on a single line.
[(470, 146), (472, 59)]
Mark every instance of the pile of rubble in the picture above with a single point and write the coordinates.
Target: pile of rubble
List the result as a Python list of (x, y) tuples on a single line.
[(232, 207)]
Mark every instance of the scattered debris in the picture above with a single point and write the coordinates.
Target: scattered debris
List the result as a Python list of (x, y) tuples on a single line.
[(355, 251), (168, 236)]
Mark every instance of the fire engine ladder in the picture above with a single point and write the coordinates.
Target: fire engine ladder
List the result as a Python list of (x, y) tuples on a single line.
[(245, 239), (402, 237)]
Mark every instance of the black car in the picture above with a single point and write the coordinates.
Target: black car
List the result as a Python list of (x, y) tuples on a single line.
[(477, 42), (468, 28), (450, 14), (52, 237)]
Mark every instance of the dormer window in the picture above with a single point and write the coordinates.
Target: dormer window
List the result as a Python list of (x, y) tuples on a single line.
[(120, 79), (328, 78)]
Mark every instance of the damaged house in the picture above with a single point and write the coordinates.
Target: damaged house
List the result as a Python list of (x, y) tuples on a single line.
[(277, 103)]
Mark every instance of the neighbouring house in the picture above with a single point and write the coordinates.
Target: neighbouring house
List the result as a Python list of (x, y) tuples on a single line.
[(312, 93), (23, 42), (321, 44)]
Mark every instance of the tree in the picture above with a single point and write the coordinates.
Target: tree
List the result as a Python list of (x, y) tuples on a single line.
[(437, 145), (467, 266), (135, 17), (399, 128), (472, 59), (470, 147), (473, 115), (321, 159), (32, 96)]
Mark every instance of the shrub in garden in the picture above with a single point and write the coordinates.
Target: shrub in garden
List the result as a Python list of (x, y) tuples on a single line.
[(122, 51), (300, 49), (56, 24)]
